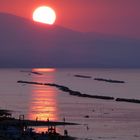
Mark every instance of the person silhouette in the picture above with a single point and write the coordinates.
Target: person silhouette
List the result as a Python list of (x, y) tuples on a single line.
[(65, 132)]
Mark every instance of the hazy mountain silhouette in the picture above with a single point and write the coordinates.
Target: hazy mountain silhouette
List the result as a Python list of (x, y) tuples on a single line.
[(24, 43)]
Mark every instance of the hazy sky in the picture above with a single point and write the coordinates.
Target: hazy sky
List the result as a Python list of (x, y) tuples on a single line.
[(119, 17)]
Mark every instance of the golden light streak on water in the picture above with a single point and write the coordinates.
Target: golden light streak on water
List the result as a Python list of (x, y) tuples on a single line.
[(43, 104), (44, 69)]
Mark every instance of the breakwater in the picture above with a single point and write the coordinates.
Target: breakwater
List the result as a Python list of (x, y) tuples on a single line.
[(128, 100), (79, 94), (109, 80), (100, 79), (69, 91), (82, 76)]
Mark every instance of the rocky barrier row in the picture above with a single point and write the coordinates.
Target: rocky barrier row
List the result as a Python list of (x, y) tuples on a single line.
[(128, 100), (99, 79), (79, 94)]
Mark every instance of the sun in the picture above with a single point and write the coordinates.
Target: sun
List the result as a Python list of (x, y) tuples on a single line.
[(44, 14)]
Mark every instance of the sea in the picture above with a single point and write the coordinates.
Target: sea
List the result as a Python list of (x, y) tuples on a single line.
[(98, 119)]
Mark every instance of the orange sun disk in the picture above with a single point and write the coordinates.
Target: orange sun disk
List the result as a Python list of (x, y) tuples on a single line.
[(44, 14)]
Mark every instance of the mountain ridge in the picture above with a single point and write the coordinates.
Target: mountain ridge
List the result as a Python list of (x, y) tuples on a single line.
[(24, 43)]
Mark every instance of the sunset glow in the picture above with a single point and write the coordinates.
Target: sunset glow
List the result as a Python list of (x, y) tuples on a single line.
[(43, 103), (44, 14), (44, 69)]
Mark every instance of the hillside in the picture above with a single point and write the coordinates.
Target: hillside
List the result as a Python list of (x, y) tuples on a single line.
[(24, 43)]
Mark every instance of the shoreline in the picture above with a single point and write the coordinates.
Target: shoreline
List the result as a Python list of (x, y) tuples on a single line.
[(12, 128)]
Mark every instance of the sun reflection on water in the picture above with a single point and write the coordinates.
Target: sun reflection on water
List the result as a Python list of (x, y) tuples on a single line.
[(43, 105), (44, 69)]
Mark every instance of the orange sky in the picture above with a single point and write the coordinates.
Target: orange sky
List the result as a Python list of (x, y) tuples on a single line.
[(119, 17)]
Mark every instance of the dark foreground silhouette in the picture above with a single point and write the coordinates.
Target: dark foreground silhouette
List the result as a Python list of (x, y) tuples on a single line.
[(21, 129)]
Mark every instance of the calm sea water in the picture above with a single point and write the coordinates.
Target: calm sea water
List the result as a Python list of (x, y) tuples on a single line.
[(107, 119)]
